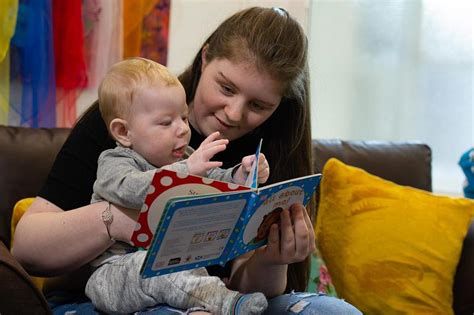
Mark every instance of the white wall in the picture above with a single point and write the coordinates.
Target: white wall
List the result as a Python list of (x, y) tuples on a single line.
[(192, 21)]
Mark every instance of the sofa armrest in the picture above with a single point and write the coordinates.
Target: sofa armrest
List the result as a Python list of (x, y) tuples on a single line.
[(26, 156), (464, 280), (19, 294)]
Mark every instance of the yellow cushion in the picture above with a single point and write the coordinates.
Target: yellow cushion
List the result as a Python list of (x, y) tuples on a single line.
[(390, 249), (18, 210)]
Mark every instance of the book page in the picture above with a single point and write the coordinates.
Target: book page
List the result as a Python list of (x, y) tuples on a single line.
[(268, 205), (193, 232), (167, 184)]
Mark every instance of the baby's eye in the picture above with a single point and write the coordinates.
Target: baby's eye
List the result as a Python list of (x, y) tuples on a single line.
[(227, 90), (164, 123)]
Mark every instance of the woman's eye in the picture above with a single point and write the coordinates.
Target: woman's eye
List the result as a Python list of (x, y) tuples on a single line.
[(257, 106)]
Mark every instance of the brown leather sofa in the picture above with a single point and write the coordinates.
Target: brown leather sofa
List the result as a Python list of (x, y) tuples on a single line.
[(27, 154)]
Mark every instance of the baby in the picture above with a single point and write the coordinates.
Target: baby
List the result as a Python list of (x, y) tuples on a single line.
[(144, 108)]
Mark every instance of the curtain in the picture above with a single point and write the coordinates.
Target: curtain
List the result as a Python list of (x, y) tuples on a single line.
[(396, 70), (32, 82)]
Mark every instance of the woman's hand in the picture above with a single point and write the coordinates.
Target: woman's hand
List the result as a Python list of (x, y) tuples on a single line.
[(290, 242), (265, 269)]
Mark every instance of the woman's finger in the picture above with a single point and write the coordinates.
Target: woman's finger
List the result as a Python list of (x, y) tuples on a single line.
[(273, 242), (271, 252), (302, 237), (312, 237), (287, 235)]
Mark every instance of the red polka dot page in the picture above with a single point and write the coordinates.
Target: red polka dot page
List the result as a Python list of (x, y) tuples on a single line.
[(168, 184)]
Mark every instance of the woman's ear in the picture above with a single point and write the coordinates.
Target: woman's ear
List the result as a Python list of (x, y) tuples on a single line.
[(203, 57), (119, 130)]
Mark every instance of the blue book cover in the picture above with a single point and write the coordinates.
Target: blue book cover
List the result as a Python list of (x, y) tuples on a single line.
[(203, 230)]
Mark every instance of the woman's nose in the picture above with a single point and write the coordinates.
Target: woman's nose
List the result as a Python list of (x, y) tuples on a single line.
[(234, 110)]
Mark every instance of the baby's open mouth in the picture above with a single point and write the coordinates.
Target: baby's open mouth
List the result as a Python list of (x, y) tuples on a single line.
[(179, 152)]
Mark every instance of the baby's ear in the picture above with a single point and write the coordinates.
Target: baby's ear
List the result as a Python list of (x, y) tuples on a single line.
[(119, 130)]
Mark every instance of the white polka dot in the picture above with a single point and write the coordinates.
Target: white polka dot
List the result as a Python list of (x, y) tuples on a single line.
[(144, 208), (151, 189), (138, 226), (181, 175), (142, 237), (206, 180), (166, 181), (233, 186)]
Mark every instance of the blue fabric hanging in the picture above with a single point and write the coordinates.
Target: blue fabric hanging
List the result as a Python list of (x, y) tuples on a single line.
[(467, 165), (33, 92)]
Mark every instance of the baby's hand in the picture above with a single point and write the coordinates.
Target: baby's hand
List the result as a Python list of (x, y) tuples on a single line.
[(263, 169), (199, 162), (243, 171)]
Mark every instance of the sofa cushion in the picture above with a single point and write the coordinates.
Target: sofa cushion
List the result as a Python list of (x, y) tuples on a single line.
[(405, 163), (26, 156), (389, 247), (20, 208), (18, 211)]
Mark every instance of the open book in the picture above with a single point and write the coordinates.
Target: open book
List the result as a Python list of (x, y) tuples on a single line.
[(189, 221)]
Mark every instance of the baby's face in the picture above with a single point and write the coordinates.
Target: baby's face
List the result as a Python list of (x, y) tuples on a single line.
[(158, 124)]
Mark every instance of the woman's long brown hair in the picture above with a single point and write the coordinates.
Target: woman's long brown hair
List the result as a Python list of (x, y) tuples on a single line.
[(277, 45)]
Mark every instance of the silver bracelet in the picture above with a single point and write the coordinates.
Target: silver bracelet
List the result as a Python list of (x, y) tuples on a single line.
[(108, 218)]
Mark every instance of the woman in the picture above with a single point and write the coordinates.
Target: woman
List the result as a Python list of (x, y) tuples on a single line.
[(249, 81)]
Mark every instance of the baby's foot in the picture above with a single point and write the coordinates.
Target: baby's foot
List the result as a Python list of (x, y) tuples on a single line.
[(251, 304)]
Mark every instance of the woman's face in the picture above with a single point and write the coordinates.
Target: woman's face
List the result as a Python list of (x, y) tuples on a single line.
[(233, 98)]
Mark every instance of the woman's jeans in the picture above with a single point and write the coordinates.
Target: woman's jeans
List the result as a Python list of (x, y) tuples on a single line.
[(292, 303)]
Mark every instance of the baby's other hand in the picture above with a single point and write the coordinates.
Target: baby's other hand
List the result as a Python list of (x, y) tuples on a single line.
[(246, 166), (263, 169)]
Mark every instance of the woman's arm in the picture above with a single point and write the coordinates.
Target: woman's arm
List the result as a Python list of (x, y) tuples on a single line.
[(249, 274), (49, 241), (265, 269)]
